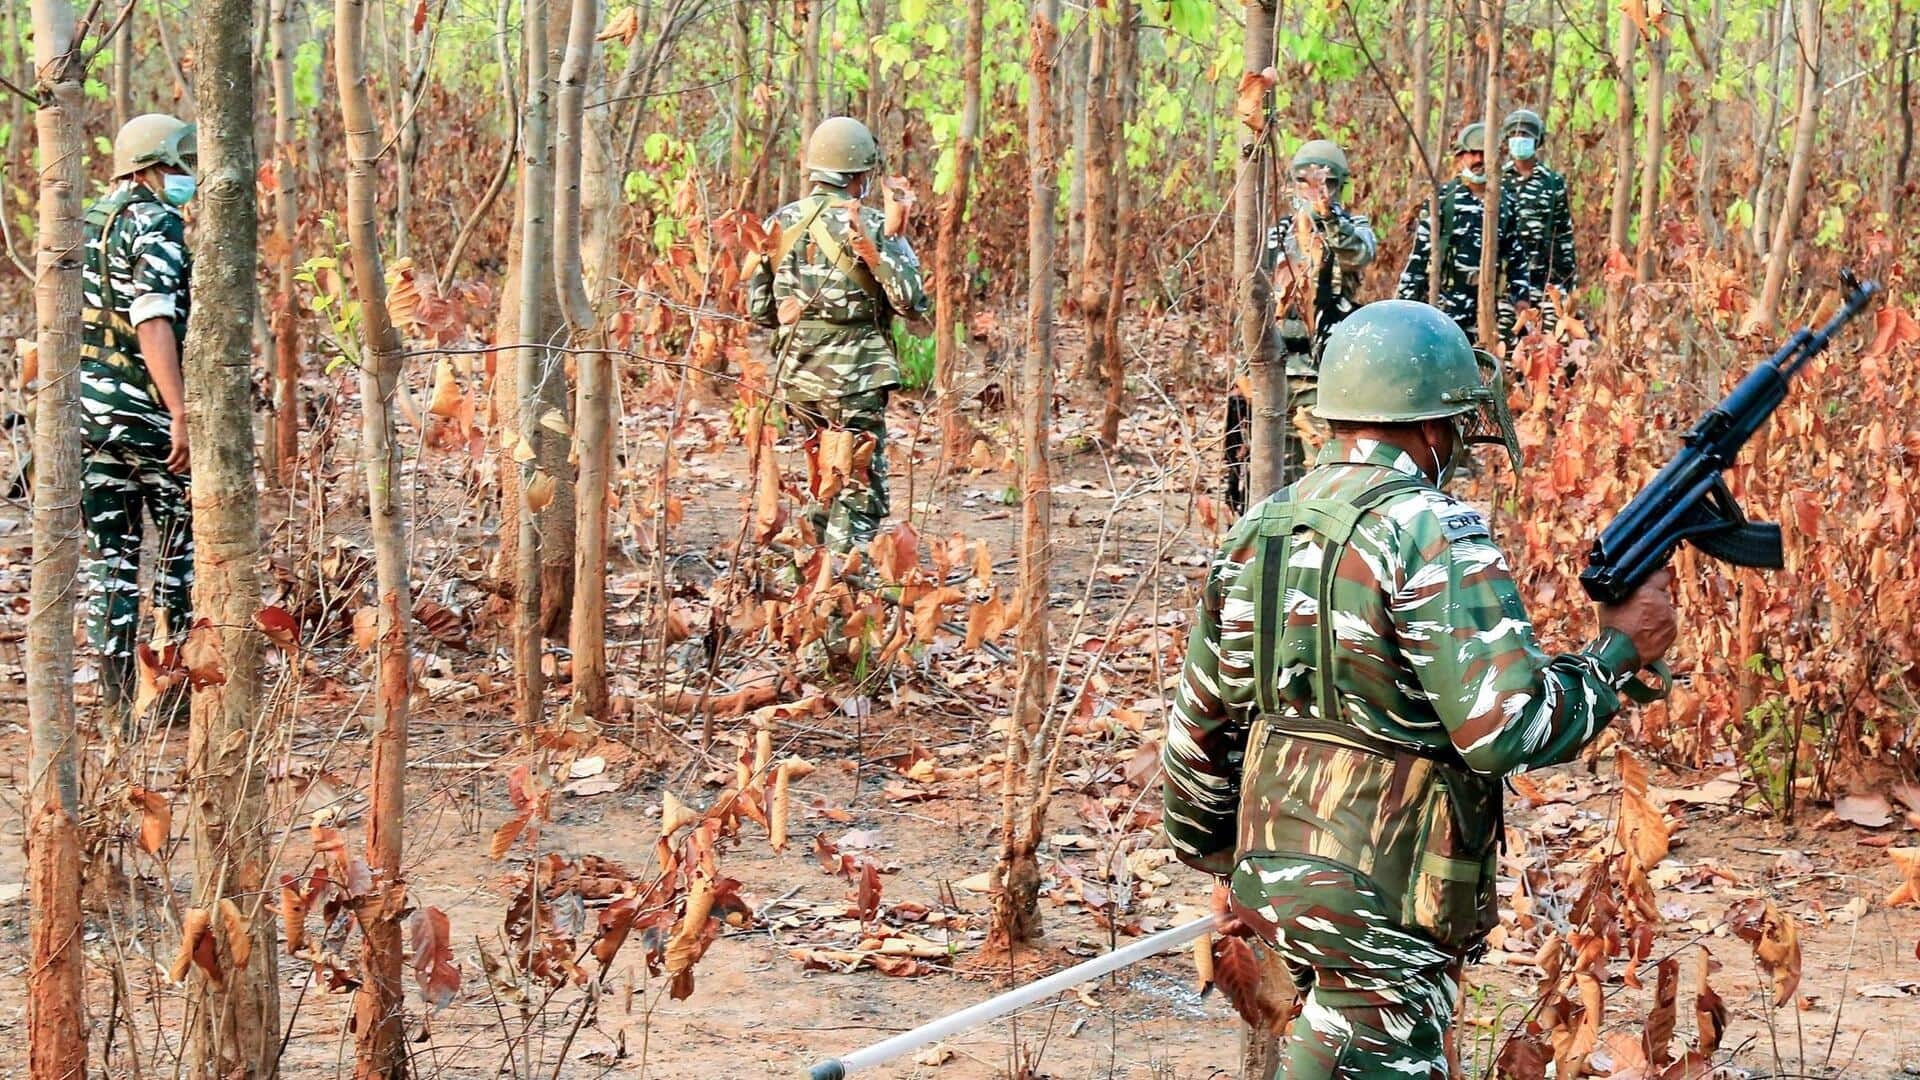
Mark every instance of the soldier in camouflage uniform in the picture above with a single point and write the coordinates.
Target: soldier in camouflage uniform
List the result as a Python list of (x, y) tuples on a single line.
[(830, 288), (1360, 676), (133, 403), (1544, 218), (1315, 255), (1462, 210)]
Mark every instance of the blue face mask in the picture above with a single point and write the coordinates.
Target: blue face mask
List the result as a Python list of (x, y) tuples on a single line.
[(1521, 147), (178, 188)]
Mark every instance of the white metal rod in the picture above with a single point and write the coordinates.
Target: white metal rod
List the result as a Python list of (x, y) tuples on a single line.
[(934, 1031)]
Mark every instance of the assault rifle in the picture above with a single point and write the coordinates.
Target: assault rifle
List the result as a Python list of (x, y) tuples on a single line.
[(1689, 500)]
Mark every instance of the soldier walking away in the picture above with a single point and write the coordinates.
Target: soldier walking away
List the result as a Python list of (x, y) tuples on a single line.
[(1544, 220), (1315, 255), (830, 288), (1360, 677), (133, 401), (1457, 260)]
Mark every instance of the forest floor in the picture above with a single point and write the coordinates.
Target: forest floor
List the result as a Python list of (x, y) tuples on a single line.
[(907, 777)]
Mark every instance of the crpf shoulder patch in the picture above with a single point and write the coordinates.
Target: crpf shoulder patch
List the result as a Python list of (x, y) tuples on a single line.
[(1463, 523)]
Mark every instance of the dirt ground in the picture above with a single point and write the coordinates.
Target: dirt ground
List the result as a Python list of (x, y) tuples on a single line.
[(758, 1011)]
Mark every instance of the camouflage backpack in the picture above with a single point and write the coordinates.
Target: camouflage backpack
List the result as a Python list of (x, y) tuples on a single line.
[(1422, 827)]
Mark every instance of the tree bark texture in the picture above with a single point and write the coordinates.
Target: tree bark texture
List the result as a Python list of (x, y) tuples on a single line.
[(236, 1025), (1016, 913), (1113, 373), (283, 423), (1266, 368), (876, 109), (380, 1051), (593, 417), (1493, 15), (1653, 156), (1807, 30), (123, 73), (1096, 212), (536, 240), (1627, 37), (949, 276), (56, 1010)]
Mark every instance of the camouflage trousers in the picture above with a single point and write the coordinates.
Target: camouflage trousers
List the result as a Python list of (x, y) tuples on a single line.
[(126, 442), (854, 514), (1506, 314), (1378, 998)]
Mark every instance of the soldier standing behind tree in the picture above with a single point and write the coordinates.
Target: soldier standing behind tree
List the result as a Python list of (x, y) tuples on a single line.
[(836, 277), (1544, 216), (1458, 262), (1314, 255), (133, 401)]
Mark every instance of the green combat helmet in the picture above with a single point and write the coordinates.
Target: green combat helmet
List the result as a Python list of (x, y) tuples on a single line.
[(842, 144), (1525, 119), (153, 139), (1472, 137), (1401, 361), (1322, 152)]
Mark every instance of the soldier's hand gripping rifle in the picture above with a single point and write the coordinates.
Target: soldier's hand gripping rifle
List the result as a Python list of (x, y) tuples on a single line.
[(1689, 500)]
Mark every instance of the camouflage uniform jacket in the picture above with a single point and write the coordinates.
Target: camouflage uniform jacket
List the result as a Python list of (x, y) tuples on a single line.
[(1545, 221), (142, 242), (1349, 237), (1435, 650), (833, 332), (1461, 211)]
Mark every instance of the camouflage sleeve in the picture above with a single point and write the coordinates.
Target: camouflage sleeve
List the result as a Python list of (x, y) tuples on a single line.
[(1459, 620), (1206, 739), (1565, 272), (1413, 280), (899, 276), (760, 305), (158, 258), (1275, 244), (1352, 240)]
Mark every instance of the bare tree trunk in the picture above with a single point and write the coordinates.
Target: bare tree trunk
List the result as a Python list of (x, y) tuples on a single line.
[(1653, 156), (56, 1009), (379, 1022), (593, 417), (1896, 206), (810, 69), (1267, 373), (1097, 176), (1016, 908), (1119, 106), (408, 123), (949, 295), (740, 164), (1493, 14), (283, 423), (1626, 37), (1440, 138), (536, 241), (1422, 90), (1807, 31), (1763, 140), (235, 1025), (876, 109), (1707, 175), (122, 74), (1082, 99)]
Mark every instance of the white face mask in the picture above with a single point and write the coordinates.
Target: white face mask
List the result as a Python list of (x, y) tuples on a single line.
[(1522, 147)]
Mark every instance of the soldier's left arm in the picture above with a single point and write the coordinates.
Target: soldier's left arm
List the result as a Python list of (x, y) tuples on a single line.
[(1566, 272), (1521, 288), (760, 302), (1458, 618), (1206, 740), (899, 276)]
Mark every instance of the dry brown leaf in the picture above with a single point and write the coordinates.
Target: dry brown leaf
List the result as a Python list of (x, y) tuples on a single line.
[(239, 937), (201, 656), (1866, 811), (1775, 937), (1709, 1012), (156, 818), (1237, 972), (539, 490), (1250, 101), (1657, 1040), (690, 936), (674, 815), (196, 948), (279, 627), (1203, 962), (366, 628), (1907, 859)]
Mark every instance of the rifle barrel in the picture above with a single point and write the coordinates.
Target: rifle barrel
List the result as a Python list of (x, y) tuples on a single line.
[(952, 1023)]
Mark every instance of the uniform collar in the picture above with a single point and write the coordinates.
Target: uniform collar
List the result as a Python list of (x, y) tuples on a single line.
[(1540, 171), (1350, 450), (127, 191), (821, 187)]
